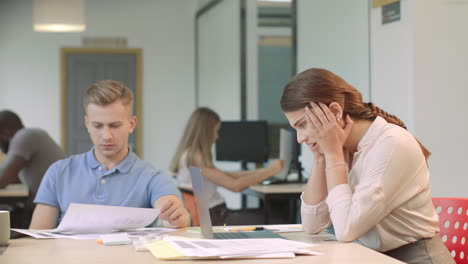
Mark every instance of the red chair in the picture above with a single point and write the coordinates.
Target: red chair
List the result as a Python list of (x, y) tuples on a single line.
[(190, 205), (453, 217)]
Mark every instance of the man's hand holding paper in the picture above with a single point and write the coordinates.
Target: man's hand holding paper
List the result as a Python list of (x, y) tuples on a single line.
[(172, 211)]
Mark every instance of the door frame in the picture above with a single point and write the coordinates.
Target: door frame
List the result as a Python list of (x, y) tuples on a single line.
[(137, 97)]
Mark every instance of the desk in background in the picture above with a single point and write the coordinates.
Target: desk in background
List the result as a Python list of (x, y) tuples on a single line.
[(58, 251), (14, 198), (269, 193), (14, 194)]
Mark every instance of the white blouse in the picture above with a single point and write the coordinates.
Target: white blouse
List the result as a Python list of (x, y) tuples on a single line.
[(184, 180), (387, 201)]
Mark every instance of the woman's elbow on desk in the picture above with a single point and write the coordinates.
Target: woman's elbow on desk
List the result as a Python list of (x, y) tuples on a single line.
[(344, 239), (313, 229), (345, 235), (314, 223)]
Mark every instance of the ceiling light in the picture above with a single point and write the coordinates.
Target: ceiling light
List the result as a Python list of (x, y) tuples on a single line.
[(58, 16)]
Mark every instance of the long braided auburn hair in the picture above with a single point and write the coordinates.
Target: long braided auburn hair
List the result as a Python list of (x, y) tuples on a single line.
[(320, 85)]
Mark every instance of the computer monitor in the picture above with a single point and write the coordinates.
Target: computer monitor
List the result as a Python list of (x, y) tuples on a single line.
[(296, 153), (286, 152), (245, 141)]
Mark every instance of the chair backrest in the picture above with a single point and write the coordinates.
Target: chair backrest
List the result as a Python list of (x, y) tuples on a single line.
[(453, 217), (190, 205)]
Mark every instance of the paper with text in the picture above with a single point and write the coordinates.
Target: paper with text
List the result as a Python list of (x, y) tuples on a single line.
[(90, 218), (135, 233), (174, 248), (285, 228)]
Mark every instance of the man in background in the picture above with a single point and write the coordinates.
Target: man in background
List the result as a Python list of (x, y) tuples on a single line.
[(29, 152), (110, 173)]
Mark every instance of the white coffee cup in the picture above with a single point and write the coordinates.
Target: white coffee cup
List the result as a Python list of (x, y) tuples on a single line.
[(4, 227)]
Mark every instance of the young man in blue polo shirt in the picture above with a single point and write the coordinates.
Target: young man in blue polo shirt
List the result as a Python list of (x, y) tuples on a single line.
[(110, 173)]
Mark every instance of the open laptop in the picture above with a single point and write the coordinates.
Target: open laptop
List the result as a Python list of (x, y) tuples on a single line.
[(204, 214)]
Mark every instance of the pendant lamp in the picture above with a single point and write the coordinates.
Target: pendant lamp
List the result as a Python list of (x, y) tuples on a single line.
[(58, 16)]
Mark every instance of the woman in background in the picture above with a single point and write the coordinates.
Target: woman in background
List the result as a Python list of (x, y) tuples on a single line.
[(194, 149), (369, 178)]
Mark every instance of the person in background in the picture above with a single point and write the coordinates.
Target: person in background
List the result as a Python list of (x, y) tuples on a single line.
[(194, 149), (110, 173), (29, 152), (370, 176)]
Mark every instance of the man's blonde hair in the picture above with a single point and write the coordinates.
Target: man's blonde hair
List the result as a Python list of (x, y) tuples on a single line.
[(107, 92)]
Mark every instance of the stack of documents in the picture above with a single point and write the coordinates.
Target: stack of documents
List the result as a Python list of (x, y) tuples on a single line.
[(174, 248), (88, 221), (90, 218)]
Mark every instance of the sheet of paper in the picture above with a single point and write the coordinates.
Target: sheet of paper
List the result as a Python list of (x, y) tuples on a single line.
[(269, 255), (227, 248), (164, 250), (90, 218), (284, 228), (148, 231), (197, 230), (135, 233), (42, 234)]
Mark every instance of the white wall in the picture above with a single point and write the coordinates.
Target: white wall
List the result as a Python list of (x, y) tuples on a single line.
[(29, 64), (392, 64), (334, 35), (418, 72), (219, 75), (441, 89), (219, 63)]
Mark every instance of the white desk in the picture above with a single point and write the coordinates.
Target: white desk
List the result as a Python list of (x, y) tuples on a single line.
[(14, 190), (14, 193), (14, 197), (62, 251), (269, 193)]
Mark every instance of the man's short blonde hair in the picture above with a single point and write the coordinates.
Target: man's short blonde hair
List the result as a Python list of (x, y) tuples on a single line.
[(107, 92)]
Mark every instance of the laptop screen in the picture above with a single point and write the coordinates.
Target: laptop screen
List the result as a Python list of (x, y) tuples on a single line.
[(202, 203), (204, 214)]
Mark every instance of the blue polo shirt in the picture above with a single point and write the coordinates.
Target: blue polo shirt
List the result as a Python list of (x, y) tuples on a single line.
[(82, 179)]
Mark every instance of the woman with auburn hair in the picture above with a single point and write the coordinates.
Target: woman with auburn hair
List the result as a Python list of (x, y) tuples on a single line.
[(194, 149), (369, 177)]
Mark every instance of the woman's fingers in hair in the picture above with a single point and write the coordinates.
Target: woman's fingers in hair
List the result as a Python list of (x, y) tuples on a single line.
[(330, 116), (312, 120), (318, 113), (322, 112)]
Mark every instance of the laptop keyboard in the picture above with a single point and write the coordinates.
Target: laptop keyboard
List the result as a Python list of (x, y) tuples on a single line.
[(230, 235)]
